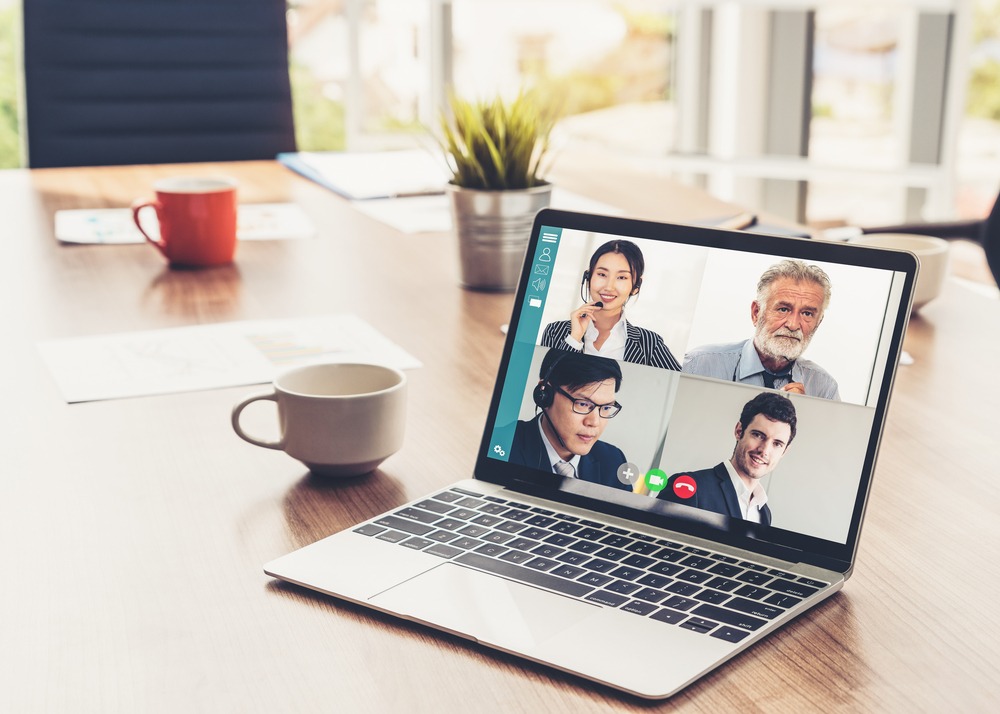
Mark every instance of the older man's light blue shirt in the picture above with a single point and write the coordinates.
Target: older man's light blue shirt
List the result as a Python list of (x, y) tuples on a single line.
[(739, 362)]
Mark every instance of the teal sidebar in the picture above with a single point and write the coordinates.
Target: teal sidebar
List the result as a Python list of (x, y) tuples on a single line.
[(528, 324)]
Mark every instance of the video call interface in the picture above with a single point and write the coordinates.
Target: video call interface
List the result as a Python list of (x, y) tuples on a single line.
[(735, 383)]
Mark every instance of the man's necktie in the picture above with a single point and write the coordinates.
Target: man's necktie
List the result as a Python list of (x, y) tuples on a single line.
[(564, 468), (769, 378)]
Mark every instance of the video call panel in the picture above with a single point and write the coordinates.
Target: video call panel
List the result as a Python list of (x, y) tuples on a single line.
[(674, 421)]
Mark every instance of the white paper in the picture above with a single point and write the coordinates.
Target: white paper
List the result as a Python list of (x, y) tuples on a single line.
[(432, 214), (362, 175), (254, 221), (211, 356)]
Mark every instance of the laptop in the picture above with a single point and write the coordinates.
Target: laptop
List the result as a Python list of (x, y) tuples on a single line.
[(703, 509)]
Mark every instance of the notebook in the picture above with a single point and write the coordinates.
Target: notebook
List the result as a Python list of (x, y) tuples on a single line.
[(666, 477)]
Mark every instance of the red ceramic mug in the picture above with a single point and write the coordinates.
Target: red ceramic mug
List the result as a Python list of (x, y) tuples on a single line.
[(197, 218)]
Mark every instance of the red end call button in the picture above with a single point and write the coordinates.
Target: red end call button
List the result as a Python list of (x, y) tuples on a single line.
[(684, 486)]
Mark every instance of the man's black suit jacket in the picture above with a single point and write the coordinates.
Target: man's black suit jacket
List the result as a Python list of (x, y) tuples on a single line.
[(714, 492), (599, 466)]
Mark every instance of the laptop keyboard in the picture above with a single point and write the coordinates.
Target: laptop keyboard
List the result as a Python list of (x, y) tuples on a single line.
[(681, 585)]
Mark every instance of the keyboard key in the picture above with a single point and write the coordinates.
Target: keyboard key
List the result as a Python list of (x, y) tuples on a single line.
[(694, 576), (667, 543), (585, 546), (443, 551), (601, 566), (406, 526), (523, 544), (516, 556), (655, 581), (467, 493), (725, 569), (492, 549), (595, 579), (536, 533), (696, 551), (470, 503), (669, 554), (782, 601), (639, 608), (416, 514), (603, 597), (665, 568), (713, 596), (369, 529), (497, 537), (429, 504), (591, 524), (695, 561), (474, 531), (463, 513), (540, 564), (493, 509), (754, 578), (540, 521), (450, 523), (392, 536), (616, 541), (611, 553), (753, 566), (564, 527), (642, 536), (466, 543), (510, 527), (524, 575), (642, 548), (724, 584), (724, 558), (516, 514), (615, 529), (790, 588), (569, 571), (626, 573), (447, 496), (591, 534), (416, 543), (813, 583), (547, 551), (757, 609), (781, 574), (699, 624), (543, 511), (680, 603), (559, 539), (683, 588), (442, 536), (730, 634), (487, 520), (622, 586), (729, 617), (671, 617), (573, 558), (650, 595), (638, 561), (752, 591)]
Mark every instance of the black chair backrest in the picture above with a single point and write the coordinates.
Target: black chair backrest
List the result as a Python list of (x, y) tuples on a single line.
[(155, 81)]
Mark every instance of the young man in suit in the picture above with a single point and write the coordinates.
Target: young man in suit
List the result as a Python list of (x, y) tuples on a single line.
[(575, 398), (765, 430)]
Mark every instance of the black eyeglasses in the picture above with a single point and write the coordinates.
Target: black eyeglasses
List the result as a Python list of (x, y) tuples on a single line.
[(585, 406)]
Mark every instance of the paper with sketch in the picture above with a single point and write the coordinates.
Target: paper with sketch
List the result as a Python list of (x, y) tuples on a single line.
[(228, 354), (255, 221)]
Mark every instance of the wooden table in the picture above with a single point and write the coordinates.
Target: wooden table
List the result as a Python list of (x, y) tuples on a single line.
[(133, 531)]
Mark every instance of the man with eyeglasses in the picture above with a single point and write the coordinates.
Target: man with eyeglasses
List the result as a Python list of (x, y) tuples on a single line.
[(575, 398)]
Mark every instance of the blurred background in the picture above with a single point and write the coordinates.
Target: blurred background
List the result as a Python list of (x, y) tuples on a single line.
[(828, 113)]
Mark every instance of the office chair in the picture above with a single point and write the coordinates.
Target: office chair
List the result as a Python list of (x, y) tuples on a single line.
[(986, 232), (155, 81)]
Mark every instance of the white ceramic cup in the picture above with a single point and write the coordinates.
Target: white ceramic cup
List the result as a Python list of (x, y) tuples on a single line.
[(337, 419), (932, 253)]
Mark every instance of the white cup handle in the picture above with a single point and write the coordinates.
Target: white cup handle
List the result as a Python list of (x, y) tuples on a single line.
[(238, 409)]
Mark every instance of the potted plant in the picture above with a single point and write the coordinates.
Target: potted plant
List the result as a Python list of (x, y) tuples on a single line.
[(495, 150)]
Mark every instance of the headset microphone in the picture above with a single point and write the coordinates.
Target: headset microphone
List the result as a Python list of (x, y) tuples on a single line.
[(599, 304)]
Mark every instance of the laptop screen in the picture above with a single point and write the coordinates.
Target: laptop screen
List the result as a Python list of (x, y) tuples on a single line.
[(731, 386)]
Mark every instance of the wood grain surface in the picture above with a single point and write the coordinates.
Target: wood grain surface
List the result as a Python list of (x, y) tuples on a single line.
[(133, 531)]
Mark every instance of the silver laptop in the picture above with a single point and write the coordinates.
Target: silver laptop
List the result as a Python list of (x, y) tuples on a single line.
[(675, 462)]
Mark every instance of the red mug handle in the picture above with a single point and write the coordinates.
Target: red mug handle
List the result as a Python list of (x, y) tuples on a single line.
[(137, 206)]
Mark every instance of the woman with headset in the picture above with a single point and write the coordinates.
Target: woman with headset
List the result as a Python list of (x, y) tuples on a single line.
[(599, 327)]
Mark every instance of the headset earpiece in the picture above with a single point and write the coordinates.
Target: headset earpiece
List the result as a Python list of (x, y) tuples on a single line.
[(543, 395)]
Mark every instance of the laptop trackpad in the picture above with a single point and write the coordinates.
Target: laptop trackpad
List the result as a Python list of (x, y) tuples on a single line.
[(489, 608)]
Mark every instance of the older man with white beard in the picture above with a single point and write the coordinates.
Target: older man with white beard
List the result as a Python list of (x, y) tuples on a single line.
[(792, 298)]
